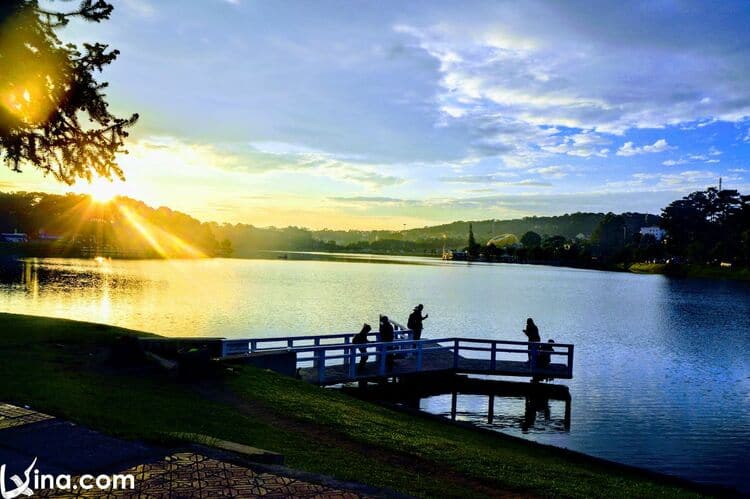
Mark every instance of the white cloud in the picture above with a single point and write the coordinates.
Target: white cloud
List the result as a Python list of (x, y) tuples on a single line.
[(673, 162), (141, 8), (628, 149), (683, 181), (584, 145)]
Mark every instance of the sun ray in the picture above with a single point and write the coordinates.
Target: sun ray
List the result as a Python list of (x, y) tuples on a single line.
[(167, 245)]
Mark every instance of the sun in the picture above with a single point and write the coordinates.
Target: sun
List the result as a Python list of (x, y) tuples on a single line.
[(101, 190)]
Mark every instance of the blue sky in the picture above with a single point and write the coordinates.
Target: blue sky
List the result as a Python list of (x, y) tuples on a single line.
[(380, 114)]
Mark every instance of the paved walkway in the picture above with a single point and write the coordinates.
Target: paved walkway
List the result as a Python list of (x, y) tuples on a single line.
[(61, 447)]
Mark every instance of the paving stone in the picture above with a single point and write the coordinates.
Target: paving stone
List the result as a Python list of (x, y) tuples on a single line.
[(63, 447)]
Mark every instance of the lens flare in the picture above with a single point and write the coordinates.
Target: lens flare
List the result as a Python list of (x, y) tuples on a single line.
[(34, 78)]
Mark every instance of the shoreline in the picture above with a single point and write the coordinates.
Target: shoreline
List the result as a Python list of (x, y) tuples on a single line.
[(59, 379), (690, 271)]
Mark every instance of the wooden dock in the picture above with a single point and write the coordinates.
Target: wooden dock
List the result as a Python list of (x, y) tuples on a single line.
[(333, 359)]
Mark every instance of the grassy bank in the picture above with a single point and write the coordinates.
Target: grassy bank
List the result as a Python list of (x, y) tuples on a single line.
[(61, 367), (701, 271)]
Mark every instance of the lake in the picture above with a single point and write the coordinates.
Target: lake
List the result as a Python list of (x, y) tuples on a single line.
[(662, 369)]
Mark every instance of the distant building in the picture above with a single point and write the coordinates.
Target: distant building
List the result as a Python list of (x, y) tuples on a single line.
[(455, 255), (44, 236), (14, 237), (655, 231)]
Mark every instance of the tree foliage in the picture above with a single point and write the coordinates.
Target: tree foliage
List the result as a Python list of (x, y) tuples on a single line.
[(53, 112), (531, 239), (610, 235), (709, 225), (473, 246), (65, 225)]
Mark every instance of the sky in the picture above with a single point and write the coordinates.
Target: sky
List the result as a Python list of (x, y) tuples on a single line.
[(390, 114)]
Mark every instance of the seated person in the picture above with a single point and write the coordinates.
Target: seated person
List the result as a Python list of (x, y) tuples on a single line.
[(544, 358)]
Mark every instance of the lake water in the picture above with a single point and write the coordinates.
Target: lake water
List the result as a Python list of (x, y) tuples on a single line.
[(662, 369)]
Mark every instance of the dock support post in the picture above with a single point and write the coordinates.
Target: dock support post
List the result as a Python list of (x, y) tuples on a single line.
[(352, 351), (419, 356), (570, 361), (253, 346), (455, 353), (493, 359), (381, 359), (320, 356), (454, 403), (316, 342), (491, 408)]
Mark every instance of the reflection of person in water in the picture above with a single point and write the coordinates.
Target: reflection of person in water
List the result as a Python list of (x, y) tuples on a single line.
[(534, 404)]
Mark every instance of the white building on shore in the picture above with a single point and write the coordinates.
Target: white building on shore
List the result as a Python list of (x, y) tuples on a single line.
[(655, 231)]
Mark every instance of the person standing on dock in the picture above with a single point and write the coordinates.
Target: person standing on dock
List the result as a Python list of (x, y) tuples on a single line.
[(386, 335), (361, 339), (415, 321), (532, 333)]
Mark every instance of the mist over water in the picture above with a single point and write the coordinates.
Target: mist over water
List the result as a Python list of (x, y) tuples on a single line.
[(661, 376)]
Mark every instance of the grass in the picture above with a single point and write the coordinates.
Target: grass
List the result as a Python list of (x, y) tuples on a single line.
[(59, 366), (701, 271), (647, 268)]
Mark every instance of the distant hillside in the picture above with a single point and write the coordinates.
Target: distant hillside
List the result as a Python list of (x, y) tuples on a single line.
[(568, 225)]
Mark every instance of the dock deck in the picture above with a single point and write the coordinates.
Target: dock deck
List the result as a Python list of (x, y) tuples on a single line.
[(436, 362)]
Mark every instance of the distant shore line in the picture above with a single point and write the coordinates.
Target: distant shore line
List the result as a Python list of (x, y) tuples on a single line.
[(670, 270)]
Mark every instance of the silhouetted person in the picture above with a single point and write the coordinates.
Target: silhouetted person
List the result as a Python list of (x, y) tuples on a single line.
[(386, 334), (361, 339), (544, 359), (532, 333), (415, 321)]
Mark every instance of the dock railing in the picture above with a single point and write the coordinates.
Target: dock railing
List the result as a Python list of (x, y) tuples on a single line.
[(473, 355), (252, 345)]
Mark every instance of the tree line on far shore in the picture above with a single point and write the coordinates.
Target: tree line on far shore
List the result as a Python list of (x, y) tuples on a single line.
[(708, 226), (704, 227)]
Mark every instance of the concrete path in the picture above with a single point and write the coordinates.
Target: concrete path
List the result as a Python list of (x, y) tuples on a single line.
[(61, 447)]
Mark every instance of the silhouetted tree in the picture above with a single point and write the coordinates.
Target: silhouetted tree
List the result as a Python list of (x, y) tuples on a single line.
[(609, 236), (554, 246), (531, 240), (48, 86), (473, 247)]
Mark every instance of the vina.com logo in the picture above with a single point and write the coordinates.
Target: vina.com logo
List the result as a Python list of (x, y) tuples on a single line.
[(34, 480)]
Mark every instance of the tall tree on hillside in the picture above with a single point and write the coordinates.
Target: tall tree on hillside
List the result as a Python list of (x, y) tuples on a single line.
[(46, 87), (609, 236), (473, 247)]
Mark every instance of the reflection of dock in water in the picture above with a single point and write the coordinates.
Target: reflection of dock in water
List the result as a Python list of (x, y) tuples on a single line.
[(536, 397)]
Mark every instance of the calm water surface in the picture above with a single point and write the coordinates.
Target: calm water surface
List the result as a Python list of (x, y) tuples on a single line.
[(662, 369)]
